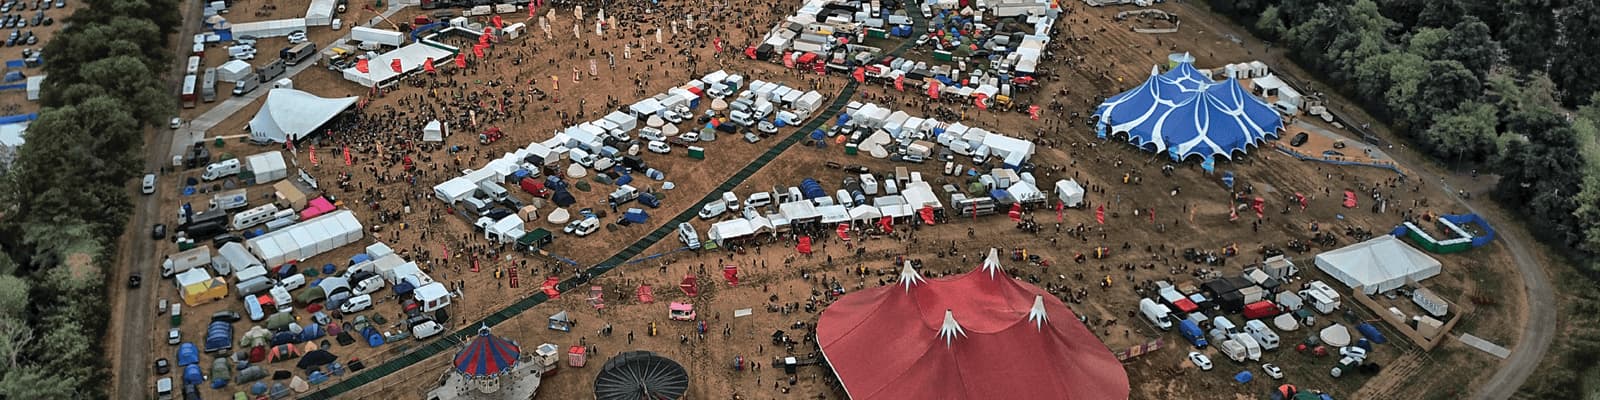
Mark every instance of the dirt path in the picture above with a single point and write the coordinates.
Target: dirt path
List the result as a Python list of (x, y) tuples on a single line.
[(127, 334)]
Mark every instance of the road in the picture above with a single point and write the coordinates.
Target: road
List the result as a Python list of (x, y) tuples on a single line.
[(130, 331)]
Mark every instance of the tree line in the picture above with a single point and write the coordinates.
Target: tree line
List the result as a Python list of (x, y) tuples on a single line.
[(1474, 84), (65, 198)]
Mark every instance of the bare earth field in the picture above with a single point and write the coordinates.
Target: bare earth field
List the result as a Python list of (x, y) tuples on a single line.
[(1190, 210)]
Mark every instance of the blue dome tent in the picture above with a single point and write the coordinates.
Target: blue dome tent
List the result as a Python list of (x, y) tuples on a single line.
[(1185, 114)]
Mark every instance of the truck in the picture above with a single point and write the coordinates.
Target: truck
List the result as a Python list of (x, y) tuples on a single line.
[(208, 86), (1191, 332), (1158, 314), (230, 200), (298, 53), (1251, 347), (271, 71), (1234, 350), (379, 36), (190, 96), (246, 84), (1263, 334), (185, 260)]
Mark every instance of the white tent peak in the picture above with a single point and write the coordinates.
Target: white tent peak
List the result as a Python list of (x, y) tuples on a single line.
[(1155, 70), (909, 276), (951, 328), (1037, 314), (991, 263), (290, 113)]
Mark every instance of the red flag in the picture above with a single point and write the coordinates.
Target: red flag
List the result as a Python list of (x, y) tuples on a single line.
[(461, 60), (1060, 206), (978, 98), (844, 232), (731, 273), (531, 10), (395, 65), (427, 65), (313, 155), (887, 223), (1100, 215), (927, 214), (900, 83), (477, 50), (498, 24), (1033, 112), (933, 89), (1016, 212), (974, 211), (446, 250), (1302, 198), (717, 43), (1152, 215), (347, 161), (361, 65), (860, 74)]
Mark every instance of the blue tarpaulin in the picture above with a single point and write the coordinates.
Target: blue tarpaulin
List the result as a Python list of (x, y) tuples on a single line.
[(1243, 377), (12, 119), (635, 216), (188, 354), (1371, 332)]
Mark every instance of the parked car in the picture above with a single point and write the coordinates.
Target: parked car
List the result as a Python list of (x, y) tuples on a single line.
[(163, 366), (1272, 370), (158, 232), (135, 279), (148, 184), (297, 37), (227, 316), (1299, 139), (164, 389), (1200, 360), (174, 336), (337, 24), (175, 122), (587, 226)]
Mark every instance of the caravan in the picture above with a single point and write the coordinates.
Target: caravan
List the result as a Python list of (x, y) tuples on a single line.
[(221, 169), (254, 216)]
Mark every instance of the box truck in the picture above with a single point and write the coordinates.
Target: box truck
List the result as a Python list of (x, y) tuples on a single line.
[(185, 260), (298, 53)]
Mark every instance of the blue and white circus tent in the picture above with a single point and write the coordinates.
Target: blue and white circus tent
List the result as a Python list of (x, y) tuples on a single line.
[(1185, 114)]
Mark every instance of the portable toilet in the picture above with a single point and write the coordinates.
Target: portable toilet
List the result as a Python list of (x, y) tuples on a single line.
[(697, 152)]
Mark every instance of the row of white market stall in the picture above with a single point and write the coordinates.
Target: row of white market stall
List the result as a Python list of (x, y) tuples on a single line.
[(880, 130)]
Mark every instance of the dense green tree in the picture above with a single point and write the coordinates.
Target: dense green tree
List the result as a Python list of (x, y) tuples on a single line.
[(1465, 134), (1471, 44), (1529, 33), (1575, 62), (33, 383), (1270, 24), (1439, 14), (1587, 215)]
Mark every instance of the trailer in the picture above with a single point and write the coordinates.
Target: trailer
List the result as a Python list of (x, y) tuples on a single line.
[(377, 36), (208, 86), (186, 260), (190, 96), (299, 53)]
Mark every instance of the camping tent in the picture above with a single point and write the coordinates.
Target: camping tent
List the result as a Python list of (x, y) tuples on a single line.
[(979, 335), (1183, 113), (1378, 265), (293, 113)]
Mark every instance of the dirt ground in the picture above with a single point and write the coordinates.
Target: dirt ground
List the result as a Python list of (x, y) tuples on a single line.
[(13, 102), (1190, 210)]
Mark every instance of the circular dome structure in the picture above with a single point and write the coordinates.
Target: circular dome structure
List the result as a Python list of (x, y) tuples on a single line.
[(641, 375)]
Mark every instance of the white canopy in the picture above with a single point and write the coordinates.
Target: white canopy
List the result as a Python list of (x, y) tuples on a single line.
[(434, 132), (306, 239), (267, 167), (1025, 192), (730, 229), (833, 214), (865, 213), (1070, 192), (293, 112), (380, 69), (799, 211), (1378, 265)]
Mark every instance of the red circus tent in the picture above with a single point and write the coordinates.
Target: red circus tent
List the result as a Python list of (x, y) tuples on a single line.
[(979, 335)]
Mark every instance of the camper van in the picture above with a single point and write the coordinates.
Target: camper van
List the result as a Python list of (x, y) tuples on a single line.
[(230, 200), (254, 216), (1264, 335), (869, 184), (1226, 325), (250, 287), (281, 299), (731, 199), (1158, 314), (688, 236), (221, 170)]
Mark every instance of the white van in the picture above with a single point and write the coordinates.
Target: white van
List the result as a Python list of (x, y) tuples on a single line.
[(758, 200), (844, 198), (369, 285), (250, 287), (581, 157), (648, 133), (1158, 314), (356, 304), (426, 329), (586, 227), (254, 216), (659, 147), (732, 200), (688, 236), (149, 184), (281, 299), (713, 209), (1223, 323), (292, 282), (221, 169)]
